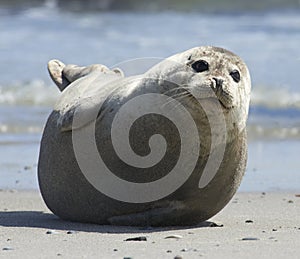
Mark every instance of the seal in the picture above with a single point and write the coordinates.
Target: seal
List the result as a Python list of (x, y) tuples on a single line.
[(167, 147)]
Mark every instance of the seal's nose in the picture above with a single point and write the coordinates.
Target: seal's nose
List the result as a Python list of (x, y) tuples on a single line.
[(218, 81)]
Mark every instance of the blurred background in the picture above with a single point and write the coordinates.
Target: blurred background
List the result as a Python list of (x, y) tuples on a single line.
[(266, 34)]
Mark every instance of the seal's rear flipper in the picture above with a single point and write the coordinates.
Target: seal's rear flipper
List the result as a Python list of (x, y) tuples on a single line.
[(63, 75), (55, 69), (74, 72)]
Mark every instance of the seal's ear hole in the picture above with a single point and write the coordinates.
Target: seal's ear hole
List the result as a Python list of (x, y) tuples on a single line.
[(200, 66), (235, 74)]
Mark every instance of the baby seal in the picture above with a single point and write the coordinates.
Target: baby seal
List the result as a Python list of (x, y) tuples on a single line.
[(167, 147)]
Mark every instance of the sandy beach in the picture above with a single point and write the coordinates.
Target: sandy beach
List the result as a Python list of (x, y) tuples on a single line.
[(253, 225)]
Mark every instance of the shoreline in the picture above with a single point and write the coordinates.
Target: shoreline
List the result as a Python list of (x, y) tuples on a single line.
[(261, 225), (273, 166)]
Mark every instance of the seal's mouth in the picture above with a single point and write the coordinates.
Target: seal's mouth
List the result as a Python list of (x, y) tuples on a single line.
[(216, 94), (225, 98), (206, 93), (225, 104)]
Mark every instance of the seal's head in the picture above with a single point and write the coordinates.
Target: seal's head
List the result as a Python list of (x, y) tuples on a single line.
[(211, 73)]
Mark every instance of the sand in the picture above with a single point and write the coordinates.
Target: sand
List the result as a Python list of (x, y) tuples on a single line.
[(253, 225)]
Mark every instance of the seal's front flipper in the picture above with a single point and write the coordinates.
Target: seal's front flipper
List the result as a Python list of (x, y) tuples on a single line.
[(169, 216), (154, 217), (55, 69), (80, 103)]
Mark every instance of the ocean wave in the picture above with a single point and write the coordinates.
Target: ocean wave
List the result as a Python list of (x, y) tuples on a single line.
[(35, 92), (276, 98), (41, 93), (262, 132), (24, 108), (10, 132), (18, 129)]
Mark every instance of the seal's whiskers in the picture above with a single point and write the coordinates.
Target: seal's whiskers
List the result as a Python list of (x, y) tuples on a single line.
[(176, 97)]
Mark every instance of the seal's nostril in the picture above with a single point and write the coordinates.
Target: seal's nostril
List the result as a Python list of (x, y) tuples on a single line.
[(219, 82)]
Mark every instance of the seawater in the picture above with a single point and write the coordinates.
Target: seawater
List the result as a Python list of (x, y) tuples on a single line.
[(268, 41)]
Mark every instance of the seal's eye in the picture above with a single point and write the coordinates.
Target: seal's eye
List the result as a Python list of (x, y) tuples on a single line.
[(200, 66), (235, 76)]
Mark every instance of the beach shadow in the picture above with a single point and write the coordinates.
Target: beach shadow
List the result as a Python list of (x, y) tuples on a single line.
[(39, 219)]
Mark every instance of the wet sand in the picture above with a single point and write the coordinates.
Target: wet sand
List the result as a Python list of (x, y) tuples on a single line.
[(253, 225)]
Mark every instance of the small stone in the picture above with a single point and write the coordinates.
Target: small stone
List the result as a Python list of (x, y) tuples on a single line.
[(173, 237), (8, 239), (184, 250), (250, 239), (178, 257), (49, 232), (59, 254), (142, 238), (70, 232), (263, 193), (7, 249), (169, 251), (127, 257), (290, 201), (271, 237), (27, 167), (213, 225), (115, 250), (274, 229), (249, 221), (297, 195)]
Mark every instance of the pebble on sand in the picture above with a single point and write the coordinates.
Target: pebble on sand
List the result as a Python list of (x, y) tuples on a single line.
[(250, 239), (7, 249), (142, 238), (214, 225), (71, 232), (173, 237)]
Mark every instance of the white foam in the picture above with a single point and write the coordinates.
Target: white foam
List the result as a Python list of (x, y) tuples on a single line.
[(276, 98), (38, 92), (35, 92)]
